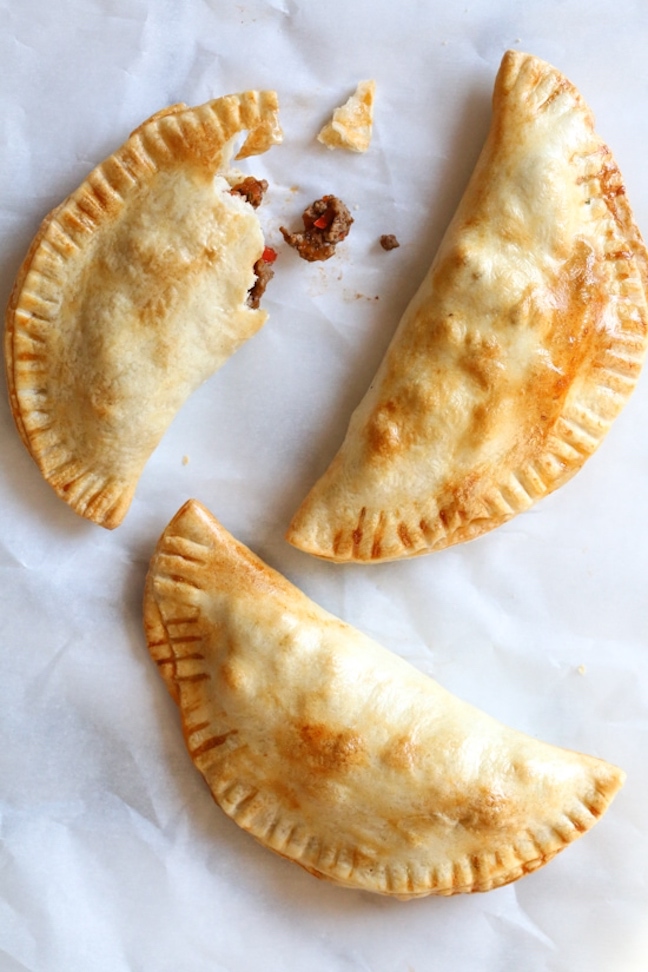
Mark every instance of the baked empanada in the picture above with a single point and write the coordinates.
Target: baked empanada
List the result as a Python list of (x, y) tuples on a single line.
[(132, 294), (337, 754), (521, 346)]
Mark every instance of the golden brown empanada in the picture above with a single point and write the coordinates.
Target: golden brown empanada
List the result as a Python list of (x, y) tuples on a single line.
[(521, 346), (133, 293), (337, 754)]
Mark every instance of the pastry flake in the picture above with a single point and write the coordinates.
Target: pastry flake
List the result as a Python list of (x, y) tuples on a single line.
[(337, 754), (133, 292), (352, 124), (521, 346)]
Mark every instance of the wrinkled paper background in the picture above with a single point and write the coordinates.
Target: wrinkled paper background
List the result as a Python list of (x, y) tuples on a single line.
[(113, 856)]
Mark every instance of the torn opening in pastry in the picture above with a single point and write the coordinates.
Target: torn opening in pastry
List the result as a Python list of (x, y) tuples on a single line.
[(253, 190), (521, 346), (134, 291), (352, 123), (337, 754)]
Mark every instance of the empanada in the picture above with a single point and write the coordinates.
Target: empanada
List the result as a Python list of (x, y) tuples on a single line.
[(132, 294), (519, 349), (337, 754)]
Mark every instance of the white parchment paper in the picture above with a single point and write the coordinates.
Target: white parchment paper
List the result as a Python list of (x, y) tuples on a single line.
[(113, 855)]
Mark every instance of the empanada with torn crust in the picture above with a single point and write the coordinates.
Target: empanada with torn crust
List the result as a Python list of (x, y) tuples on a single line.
[(519, 349), (133, 292), (337, 754)]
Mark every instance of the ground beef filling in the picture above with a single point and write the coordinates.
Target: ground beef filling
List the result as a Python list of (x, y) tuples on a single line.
[(264, 273), (326, 223), (388, 241), (253, 190)]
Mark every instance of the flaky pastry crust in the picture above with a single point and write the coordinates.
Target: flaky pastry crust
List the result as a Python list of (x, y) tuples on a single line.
[(337, 754), (351, 125), (519, 349), (132, 293)]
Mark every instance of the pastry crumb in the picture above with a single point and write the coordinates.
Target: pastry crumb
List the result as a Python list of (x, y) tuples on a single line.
[(581, 669), (185, 460), (351, 125)]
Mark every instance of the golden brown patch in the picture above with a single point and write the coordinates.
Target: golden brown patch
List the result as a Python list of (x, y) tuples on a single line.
[(487, 810), (326, 750), (232, 676), (400, 753), (482, 360), (383, 431), (398, 423)]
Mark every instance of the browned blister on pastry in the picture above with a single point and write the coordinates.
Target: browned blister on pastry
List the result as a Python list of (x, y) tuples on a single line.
[(339, 755), (133, 292), (519, 349)]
